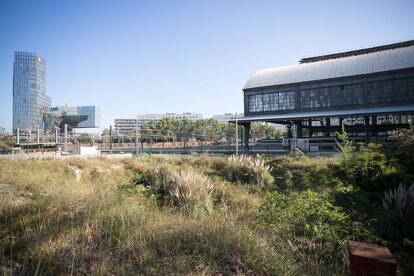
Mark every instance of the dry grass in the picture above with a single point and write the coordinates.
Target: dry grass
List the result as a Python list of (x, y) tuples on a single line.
[(79, 221), (192, 190), (143, 215), (244, 169)]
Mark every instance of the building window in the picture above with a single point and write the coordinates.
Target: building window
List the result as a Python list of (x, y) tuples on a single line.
[(334, 96), (268, 105), (274, 101), (401, 89), (255, 103), (410, 89), (380, 92), (286, 100)]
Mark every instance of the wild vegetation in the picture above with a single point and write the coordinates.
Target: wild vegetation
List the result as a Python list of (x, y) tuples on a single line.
[(6, 144), (204, 214)]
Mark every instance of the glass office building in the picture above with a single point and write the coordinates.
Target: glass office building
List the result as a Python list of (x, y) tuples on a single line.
[(94, 116), (30, 101), (73, 116)]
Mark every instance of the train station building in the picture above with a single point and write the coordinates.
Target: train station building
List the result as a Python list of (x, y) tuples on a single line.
[(369, 91)]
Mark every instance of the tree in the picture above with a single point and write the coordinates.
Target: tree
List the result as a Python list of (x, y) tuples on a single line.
[(343, 143), (105, 131), (6, 144), (264, 130), (402, 147)]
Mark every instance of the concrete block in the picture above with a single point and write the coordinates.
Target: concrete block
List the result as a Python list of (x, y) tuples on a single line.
[(369, 259)]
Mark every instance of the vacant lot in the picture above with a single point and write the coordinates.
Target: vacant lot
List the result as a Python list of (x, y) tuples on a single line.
[(191, 214)]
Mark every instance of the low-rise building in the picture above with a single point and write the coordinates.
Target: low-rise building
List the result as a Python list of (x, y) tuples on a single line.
[(224, 118), (129, 124)]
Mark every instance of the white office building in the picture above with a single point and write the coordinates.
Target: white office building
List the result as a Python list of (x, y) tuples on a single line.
[(224, 118), (129, 124)]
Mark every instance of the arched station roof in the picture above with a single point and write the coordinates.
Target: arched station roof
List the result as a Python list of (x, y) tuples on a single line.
[(352, 65)]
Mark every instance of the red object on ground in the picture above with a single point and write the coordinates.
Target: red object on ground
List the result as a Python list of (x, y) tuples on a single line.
[(369, 259)]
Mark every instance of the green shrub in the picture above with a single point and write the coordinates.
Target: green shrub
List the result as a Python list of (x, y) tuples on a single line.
[(354, 201), (6, 144), (310, 216), (244, 169), (402, 147), (302, 173), (369, 169)]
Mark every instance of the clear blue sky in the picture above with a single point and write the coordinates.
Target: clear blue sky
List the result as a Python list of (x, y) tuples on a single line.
[(133, 57)]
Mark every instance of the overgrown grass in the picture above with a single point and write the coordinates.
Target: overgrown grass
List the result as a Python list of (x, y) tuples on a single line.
[(244, 169), (176, 215)]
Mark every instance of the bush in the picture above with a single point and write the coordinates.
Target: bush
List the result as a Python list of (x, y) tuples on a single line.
[(192, 190), (244, 169), (312, 217), (402, 147), (302, 173), (185, 189), (369, 169), (6, 144)]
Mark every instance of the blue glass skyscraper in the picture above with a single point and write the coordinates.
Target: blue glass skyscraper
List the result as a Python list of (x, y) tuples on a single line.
[(30, 101)]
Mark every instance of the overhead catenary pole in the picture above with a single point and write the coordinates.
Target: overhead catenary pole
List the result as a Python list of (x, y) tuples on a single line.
[(136, 135), (110, 137), (294, 141), (18, 136), (237, 135), (65, 140)]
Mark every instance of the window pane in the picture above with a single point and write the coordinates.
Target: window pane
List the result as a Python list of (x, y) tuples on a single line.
[(334, 96), (255, 103)]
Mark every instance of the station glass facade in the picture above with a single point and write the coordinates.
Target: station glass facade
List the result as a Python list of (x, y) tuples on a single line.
[(389, 91), (325, 97), (333, 96), (271, 101)]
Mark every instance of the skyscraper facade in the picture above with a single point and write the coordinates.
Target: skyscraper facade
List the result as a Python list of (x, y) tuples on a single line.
[(30, 101), (75, 116)]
